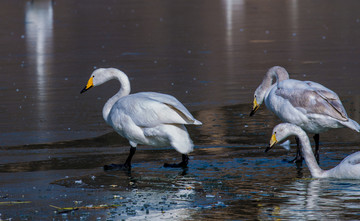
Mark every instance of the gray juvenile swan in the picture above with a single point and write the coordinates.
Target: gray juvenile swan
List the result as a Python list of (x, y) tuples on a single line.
[(148, 118), (306, 104), (349, 168)]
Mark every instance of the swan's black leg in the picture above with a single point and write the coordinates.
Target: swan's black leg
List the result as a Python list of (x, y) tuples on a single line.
[(316, 139), (126, 165), (298, 158), (183, 163)]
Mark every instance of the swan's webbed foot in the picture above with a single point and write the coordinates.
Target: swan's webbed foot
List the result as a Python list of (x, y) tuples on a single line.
[(113, 167), (176, 165), (125, 166), (182, 164), (298, 159)]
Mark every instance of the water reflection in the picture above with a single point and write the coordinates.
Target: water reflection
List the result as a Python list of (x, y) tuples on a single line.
[(234, 11), (318, 199), (39, 44), (293, 18)]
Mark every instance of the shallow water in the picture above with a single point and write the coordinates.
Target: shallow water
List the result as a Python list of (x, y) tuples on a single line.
[(211, 56)]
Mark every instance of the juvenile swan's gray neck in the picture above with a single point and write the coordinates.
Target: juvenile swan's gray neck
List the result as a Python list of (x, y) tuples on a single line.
[(124, 90), (277, 72)]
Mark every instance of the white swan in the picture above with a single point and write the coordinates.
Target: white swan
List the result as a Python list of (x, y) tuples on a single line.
[(148, 118), (306, 104), (349, 168)]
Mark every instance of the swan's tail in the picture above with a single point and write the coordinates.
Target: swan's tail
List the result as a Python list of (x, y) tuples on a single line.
[(352, 124), (196, 122), (179, 138)]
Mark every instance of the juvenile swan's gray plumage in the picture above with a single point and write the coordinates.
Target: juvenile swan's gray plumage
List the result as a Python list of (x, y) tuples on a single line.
[(148, 118), (306, 104)]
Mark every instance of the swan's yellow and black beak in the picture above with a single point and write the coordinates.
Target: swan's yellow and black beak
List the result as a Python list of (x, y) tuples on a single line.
[(273, 141), (255, 107), (89, 85)]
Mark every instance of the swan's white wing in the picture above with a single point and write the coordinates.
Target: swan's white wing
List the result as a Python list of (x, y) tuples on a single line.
[(173, 103), (312, 98), (149, 109)]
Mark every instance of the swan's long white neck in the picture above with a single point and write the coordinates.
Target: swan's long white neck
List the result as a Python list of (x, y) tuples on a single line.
[(124, 90), (309, 157)]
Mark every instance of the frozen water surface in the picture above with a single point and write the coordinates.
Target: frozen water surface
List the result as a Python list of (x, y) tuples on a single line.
[(211, 56)]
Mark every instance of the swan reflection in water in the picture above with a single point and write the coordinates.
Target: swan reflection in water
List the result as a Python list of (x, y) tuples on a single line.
[(316, 199)]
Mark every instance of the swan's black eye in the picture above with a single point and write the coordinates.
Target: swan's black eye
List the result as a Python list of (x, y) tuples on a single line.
[(93, 76)]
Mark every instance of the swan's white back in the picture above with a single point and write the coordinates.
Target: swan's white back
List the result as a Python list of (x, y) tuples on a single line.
[(349, 168)]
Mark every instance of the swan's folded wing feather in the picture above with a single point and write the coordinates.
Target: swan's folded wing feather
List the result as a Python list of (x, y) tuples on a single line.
[(149, 109), (330, 96), (334, 101), (174, 104), (167, 99), (314, 101)]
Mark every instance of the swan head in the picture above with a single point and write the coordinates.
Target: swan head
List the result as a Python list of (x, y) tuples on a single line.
[(277, 72), (102, 75), (258, 99), (282, 131)]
